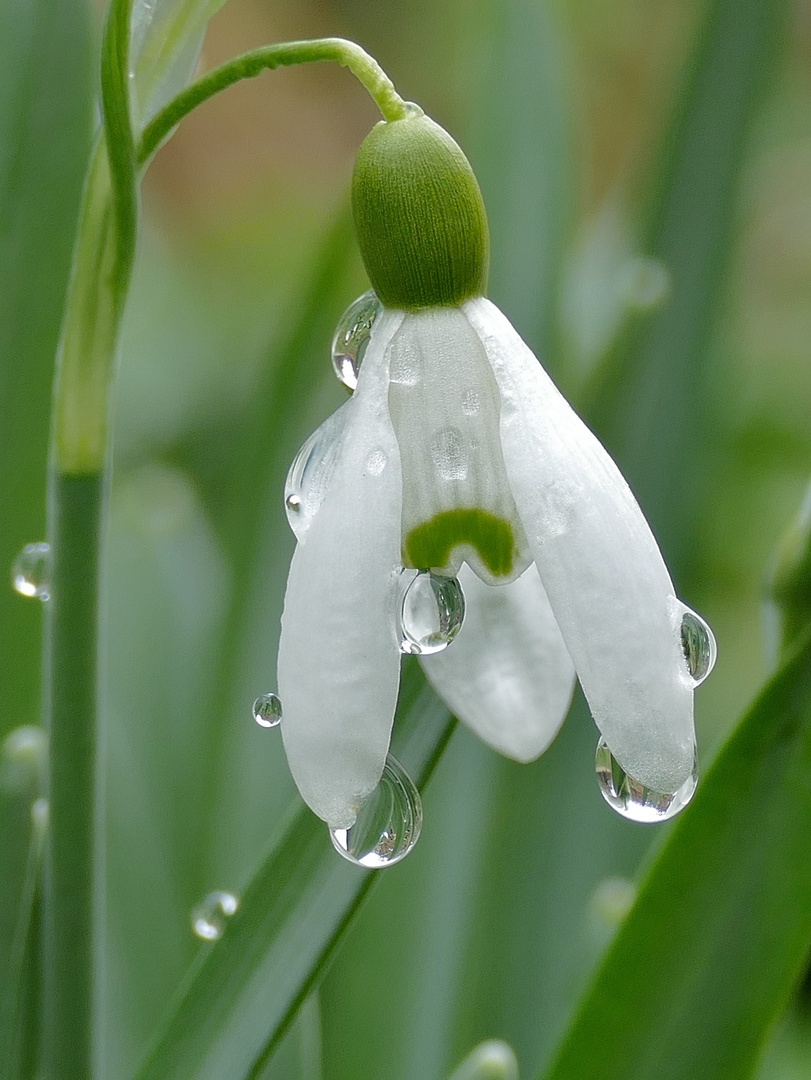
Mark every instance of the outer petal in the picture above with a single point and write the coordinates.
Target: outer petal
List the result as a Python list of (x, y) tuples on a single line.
[(605, 578), (339, 662), (507, 675)]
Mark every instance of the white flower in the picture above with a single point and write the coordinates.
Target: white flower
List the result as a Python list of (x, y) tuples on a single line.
[(457, 454)]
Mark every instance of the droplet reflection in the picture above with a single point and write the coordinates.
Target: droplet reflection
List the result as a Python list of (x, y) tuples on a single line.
[(209, 918), (633, 800), (267, 710), (310, 472), (388, 824), (31, 572), (698, 643), (352, 337), (431, 614)]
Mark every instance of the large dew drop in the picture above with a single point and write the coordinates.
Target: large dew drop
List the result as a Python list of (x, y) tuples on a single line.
[(209, 918), (309, 475), (633, 800), (267, 710), (698, 643), (432, 613), (388, 824), (352, 337), (31, 572)]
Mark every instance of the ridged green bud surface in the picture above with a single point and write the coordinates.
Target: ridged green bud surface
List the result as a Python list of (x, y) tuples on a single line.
[(419, 216)]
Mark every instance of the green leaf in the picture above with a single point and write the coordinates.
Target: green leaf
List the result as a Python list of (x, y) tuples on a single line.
[(522, 143), (246, 989), (650, 392), (45, 122), (721, 929)]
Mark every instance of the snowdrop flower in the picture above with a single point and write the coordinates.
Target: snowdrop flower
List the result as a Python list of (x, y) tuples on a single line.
[(456, 507)]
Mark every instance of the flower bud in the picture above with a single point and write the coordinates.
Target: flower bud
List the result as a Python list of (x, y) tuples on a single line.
[(419, 216)]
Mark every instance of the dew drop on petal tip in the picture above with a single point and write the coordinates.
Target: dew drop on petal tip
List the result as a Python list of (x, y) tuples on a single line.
[(431, 614), (633, 800), (31, 572), (209, 918), (698, 643), (352, 336), (388, 824), (267, 710)]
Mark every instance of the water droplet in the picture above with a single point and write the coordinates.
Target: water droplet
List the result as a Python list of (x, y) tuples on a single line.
[(376, 462), (432, 613), (208, 919), (633, 800), (22, 759), (698, 642), (267, 710), (309, 475), (449, 454), (612, 900), (31, 572), (388, 824), (352, 336)]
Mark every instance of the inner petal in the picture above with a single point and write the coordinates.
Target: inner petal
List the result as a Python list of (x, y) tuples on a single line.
[(444, 405)]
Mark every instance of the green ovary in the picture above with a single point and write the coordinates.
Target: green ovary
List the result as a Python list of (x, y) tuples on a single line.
[(430, 544)]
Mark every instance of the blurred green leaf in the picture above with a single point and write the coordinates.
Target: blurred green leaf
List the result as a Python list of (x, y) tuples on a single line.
[(721, 930), (522, 140), (166, 590), (242, 996), (651, 393), (45, 124)]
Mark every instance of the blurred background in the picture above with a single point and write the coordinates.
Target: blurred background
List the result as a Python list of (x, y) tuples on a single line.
[(647, 172)]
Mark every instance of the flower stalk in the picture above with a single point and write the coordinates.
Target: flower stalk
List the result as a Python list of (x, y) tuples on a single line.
[(79, 471), (364, 67)]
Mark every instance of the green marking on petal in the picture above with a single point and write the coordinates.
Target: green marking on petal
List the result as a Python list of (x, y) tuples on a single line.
[(430, 544)]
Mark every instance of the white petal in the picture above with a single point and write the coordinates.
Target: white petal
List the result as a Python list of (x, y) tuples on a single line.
[(339, 660), (605, 578), (445, 410), (507, 675)]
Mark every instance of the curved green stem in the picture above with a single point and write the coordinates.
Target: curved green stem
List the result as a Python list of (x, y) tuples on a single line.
[(364, 67)]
